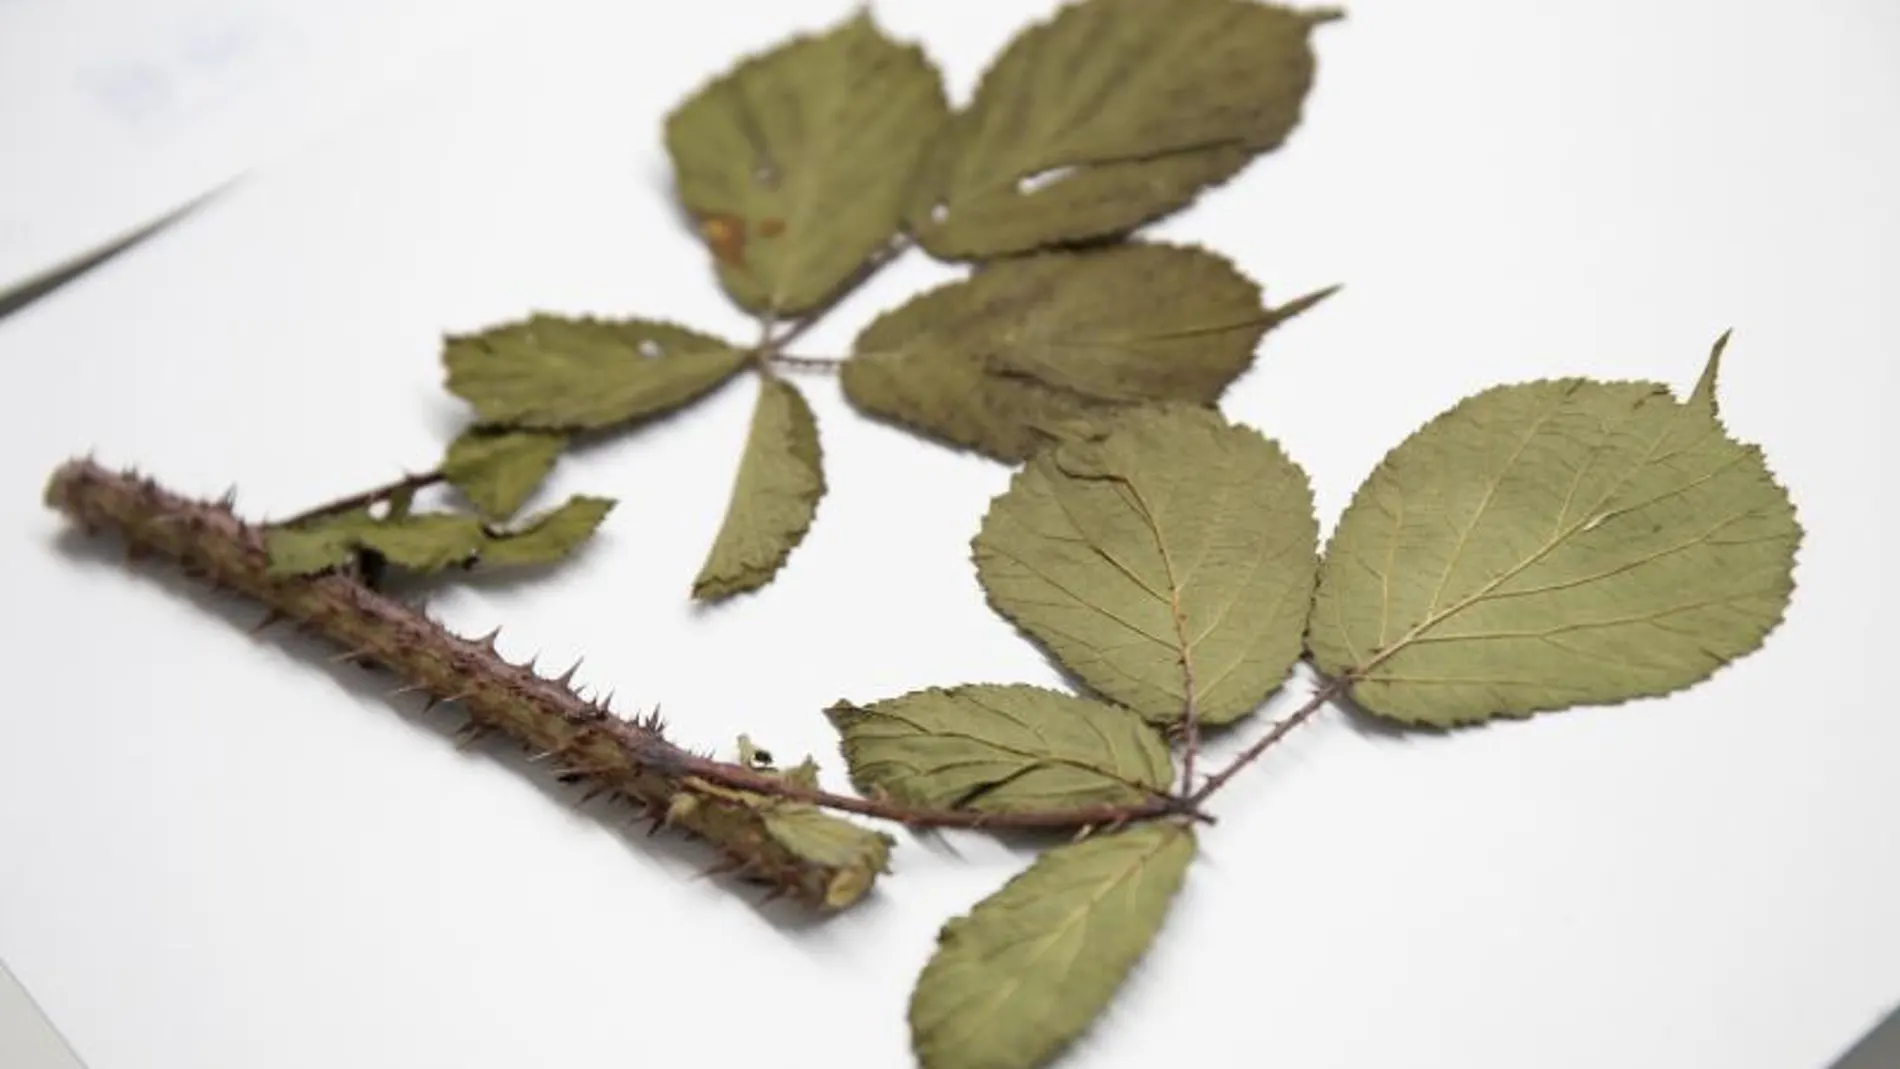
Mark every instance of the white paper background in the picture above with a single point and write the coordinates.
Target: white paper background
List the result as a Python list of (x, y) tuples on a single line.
[(218, 851), (116, 113)]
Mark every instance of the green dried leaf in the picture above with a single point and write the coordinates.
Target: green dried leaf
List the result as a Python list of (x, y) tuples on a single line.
[(497, 470), (431, 541), (1001, 749), (556, 373), (774, 498), (858, 854), (547, 536), (1111, 114), (999, 360), (1553, 544), (422, 542), (417, 542), (795, 162), (804, 773), (1019, 977), (311, 548), (751, 756), (1172, 558), (1704, 392)]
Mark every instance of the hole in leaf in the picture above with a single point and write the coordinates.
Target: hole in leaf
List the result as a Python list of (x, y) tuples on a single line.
[(379, 510), (1043, 179), (651, 349), (939, 211)]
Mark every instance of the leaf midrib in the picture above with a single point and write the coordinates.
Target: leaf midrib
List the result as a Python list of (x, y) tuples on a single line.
[(1589, 516), (1079, 914)]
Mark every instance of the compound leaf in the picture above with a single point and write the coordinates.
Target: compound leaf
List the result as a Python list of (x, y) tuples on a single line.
[(1020, 976), (998, 361), (795, 162), (1552, 544), (1108, 115), (1001, 749), (557, 373), (774, 498), (1169, 561), (498, 470)]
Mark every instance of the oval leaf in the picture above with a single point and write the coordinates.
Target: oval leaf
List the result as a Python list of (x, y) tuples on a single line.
[(557, 373), (796, 161), (1553, 544), (1023, 974), (1001, 749), (1110, 114), (1170, 561), (774, 498), (1026, 345), (498, 470)]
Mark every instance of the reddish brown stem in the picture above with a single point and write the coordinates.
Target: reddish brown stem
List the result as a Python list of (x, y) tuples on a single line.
[(1314, 703), (580, 739), (871, 266), (632, 759)]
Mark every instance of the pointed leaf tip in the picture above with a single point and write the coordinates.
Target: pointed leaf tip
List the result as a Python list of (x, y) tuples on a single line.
[(1553, 544), (1304, 303), (1705, 387), (1003, 360)]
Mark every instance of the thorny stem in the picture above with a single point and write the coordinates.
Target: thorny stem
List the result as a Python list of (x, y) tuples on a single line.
[(404, 485), (1333, 688), (631, 758), (583, 740)]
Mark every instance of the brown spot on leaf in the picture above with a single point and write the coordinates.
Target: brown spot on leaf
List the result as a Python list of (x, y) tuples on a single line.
[(725, 234), (771, 228)]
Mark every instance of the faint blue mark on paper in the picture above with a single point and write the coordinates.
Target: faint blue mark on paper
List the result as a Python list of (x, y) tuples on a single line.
[(191, 66)]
